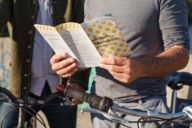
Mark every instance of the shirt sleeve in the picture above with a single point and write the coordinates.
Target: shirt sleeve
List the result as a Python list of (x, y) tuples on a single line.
[(173, 21)]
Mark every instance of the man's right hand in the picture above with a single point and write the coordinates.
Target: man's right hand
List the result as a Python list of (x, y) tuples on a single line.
[(64, 65)]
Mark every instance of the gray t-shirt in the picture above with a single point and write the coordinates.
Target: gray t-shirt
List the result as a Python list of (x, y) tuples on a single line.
[(149, 27)]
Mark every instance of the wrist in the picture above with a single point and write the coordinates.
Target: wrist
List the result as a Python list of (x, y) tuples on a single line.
[(147, 63)]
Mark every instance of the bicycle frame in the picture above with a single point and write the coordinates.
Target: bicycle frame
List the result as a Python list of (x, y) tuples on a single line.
[(142, 114), (24, 104)]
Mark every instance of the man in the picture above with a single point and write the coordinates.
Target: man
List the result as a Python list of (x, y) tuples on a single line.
[(31, 74), (157, 33)]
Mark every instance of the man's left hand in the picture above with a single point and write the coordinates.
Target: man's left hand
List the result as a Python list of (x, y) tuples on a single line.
[(122, 68)]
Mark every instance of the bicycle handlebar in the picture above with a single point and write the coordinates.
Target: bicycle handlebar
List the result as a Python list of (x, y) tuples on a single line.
[(102, 106), (28, 100), (180, 78), (153, 114), (25, 105), (101, 103)]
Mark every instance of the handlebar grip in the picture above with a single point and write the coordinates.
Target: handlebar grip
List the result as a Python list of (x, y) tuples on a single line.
[(101, 103)]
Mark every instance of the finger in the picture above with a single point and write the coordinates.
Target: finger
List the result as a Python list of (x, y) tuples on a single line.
[(57, 57), (70, 70), (64, 64), (69, 74), (123, 77), (114, 68), (114, 60), (120, 75)]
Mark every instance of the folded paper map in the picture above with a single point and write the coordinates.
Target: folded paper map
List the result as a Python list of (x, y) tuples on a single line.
[(106, 37), (88, 41)]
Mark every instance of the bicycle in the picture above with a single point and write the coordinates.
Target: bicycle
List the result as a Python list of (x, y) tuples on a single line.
[(25, 106), (104, 106), (176, 82)]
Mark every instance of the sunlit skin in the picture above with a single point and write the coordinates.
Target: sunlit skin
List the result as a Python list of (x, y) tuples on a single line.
[(64, 65), (129, 69), (123, 69), (126, 69)]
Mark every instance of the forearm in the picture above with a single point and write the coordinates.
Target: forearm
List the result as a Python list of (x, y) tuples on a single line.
[(169, 61)]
